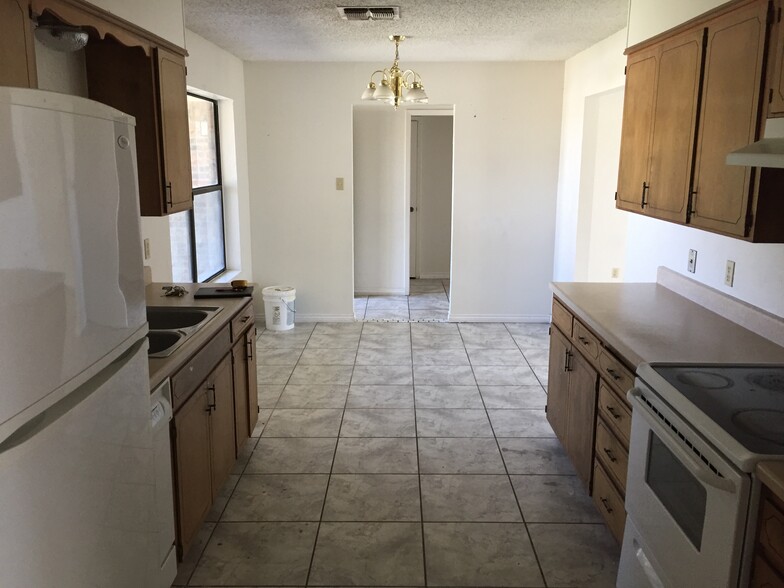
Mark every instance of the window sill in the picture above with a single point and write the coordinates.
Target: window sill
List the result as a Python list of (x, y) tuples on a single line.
[(226, 277)]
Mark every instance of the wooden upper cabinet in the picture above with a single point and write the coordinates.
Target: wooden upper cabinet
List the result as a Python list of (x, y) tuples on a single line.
[(730, 118), (17, 48), (776, 60), (636, 131), (674, 126), (176, 148), (152, 89)]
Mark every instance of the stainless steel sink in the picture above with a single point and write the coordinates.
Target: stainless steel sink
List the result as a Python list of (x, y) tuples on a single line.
[(171, 326), (179, 317), (164, 343)]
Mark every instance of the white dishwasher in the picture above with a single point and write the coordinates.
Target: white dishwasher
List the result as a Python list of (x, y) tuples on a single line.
[(161, 415)]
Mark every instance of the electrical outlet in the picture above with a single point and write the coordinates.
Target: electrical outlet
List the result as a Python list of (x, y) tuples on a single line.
[(616, 272), (692, 267), (146, 249), (729, 273), (338, 183)]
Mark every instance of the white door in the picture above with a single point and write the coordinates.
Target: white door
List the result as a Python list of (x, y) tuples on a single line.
[(414, 227)]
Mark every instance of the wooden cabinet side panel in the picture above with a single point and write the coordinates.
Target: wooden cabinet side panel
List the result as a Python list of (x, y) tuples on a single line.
[(581, 416), (240, 367), (558, 384), (172, 94), (123, 77), (729, 118), (636, 129), (222, 436), (253, 388), (674, 126), (192, 465), (17, 48)]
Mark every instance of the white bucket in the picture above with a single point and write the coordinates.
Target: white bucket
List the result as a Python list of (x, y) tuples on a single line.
[(279, 307)]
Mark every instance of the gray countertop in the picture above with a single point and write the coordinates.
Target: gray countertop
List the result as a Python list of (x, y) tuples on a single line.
[(164, 367), (650, 323)]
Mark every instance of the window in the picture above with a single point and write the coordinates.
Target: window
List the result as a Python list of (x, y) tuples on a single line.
[(197, 240)]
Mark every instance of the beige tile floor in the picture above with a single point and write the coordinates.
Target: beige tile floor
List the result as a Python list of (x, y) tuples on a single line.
[(428, 302), (403, 454)]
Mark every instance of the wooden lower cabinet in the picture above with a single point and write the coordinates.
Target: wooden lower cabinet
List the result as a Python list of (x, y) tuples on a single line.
[(571, 402), (253, 388), (609, 502), (239, 364), (203, 449)]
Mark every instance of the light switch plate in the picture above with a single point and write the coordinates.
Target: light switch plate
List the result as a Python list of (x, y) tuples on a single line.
[(338, 183), (729, 273), (146, 249), (692, 267)]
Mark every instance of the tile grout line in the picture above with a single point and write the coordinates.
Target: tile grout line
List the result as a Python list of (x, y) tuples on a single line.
[(334, 456), (419, 469)]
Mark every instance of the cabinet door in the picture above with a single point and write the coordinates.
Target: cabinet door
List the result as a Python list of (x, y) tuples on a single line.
[(192, 463), (776, 56), (253, 388), (636, 131), (558, 384), (222, 438), (674, 126), (729, 118), (240, 365), (172, 95), (17, 48), (581, 418)]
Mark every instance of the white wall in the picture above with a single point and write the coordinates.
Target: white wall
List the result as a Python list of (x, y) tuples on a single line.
[(592, 72), (507, 121), (434, 205), (648, 18), (162, 17), (379, 200)]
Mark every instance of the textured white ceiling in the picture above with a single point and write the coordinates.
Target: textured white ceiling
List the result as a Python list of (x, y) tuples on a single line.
[(438, 30)]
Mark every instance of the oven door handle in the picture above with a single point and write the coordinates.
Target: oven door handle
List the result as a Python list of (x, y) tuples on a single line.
[(684, 455)]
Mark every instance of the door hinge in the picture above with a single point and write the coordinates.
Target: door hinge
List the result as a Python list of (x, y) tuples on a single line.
[(624, 69), (770, 95), (749, 223), (616, 196), (550, 330)]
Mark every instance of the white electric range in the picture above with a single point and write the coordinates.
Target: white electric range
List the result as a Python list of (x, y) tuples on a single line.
[(698, 432)]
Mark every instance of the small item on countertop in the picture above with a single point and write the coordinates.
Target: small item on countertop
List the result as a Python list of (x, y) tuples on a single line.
[(209, 292), (239, 284), (174, 291)]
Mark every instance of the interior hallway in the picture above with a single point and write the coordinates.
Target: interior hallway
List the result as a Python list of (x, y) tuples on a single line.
[(428, 301), (397, 454)]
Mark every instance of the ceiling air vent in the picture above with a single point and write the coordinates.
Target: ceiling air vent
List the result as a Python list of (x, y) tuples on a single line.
[(369, 12)]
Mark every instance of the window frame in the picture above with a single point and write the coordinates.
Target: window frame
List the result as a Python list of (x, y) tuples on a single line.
[(205, 189)]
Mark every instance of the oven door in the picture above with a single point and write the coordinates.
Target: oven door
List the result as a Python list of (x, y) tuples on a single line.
[(686, 504)]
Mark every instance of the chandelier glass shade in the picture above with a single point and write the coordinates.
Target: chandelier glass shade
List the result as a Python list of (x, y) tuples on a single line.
[(396, 85)]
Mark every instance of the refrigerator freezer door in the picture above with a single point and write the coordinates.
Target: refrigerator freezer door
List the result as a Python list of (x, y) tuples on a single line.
[(77, 487), (71, 283)]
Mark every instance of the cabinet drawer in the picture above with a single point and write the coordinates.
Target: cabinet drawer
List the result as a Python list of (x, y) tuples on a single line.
[(562, 318), (615, 412), (771, 532), (614, 372), (764, 576), (608, 501), (611, 454), (585, 341), (242, 321), (185, 381)]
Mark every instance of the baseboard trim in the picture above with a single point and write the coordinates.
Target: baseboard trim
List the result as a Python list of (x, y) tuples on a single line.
[(380, 292), (313, 318), (434, 276), (499, 318)]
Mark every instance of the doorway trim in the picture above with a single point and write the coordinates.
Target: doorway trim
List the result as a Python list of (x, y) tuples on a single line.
[(434, 111)]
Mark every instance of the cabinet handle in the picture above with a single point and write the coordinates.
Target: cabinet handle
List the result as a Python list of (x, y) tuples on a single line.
[(568, 361), (211, 405), (612, 412), (606, 504), (693, 207), (249, 347), (610, 455), (583, 340), (245, 319), (613, 373), (645, 187), (169, 201)]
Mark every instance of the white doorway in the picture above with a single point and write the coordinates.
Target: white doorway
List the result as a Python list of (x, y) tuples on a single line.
[(431, 136)]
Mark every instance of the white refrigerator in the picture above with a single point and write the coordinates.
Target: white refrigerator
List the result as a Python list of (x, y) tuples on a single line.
[(77, 471)]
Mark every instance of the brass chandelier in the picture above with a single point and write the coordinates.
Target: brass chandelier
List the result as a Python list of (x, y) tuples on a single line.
[(396, 85)]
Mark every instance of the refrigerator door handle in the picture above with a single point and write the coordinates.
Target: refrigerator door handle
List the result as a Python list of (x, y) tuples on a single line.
[(49, 416)]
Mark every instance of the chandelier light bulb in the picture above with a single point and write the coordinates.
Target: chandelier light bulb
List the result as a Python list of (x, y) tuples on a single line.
[(396, 85)]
